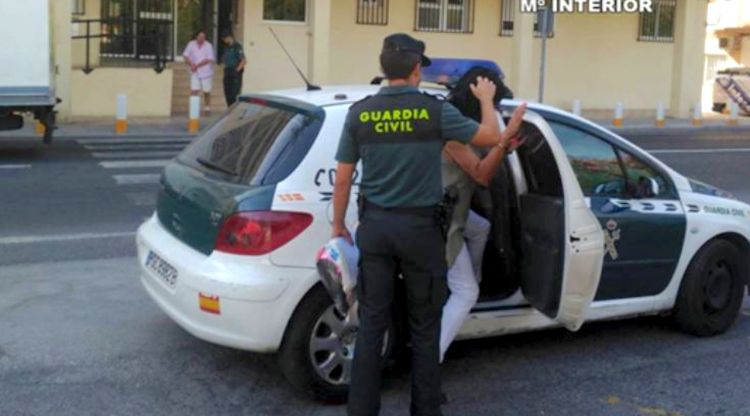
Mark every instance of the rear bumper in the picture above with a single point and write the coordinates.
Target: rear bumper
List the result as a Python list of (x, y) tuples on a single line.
[(254, 303)]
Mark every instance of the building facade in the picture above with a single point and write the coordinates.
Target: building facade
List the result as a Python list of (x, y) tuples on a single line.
[(110, 47)]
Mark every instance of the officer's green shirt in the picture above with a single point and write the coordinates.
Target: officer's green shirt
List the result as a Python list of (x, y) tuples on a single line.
[(405, 174), (233, 55)]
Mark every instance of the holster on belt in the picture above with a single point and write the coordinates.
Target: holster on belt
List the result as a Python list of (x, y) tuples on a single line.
[(444, 211)]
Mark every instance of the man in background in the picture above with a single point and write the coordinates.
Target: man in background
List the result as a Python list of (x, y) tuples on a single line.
[(199, 55), (234, 68)]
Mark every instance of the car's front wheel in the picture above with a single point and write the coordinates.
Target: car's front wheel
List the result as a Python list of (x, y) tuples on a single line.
[(712, 290), (317, 351)]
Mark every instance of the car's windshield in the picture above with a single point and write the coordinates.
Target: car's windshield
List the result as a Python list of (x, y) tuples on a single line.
[(256, 143)]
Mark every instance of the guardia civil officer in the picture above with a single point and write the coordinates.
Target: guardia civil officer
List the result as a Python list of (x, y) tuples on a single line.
[(399, 134), (234, 67)]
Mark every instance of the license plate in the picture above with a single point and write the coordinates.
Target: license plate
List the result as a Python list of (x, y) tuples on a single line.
[(164, 270)]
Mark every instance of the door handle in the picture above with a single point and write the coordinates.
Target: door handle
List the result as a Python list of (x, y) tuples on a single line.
[(574, 239)]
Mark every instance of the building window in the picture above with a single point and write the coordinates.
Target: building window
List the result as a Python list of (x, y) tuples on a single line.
[(538, 23), (455, 16), (658, 25), (285, 10), (506, 18), (78, 7), (372, 12)]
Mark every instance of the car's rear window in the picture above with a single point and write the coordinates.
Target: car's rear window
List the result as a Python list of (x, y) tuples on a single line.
[(258, 142)]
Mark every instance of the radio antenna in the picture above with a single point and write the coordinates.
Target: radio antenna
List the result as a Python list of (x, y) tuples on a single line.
[(310, 87)]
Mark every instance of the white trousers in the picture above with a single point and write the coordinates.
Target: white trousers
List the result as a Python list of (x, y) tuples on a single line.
[(463, 280)]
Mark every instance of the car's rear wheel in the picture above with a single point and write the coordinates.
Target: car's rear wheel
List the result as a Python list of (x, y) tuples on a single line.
[(317, 351), (712, 290)]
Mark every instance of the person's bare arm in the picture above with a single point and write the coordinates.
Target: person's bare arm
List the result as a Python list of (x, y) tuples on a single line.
[(242, 64), (480, 170), (342, 188), (489, 131)]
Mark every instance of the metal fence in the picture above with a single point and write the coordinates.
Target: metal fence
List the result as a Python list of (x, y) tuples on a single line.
[(146, 41)]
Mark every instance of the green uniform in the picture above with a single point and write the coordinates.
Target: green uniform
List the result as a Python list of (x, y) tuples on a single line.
[(406, 174), (233, 56), (399, 135)]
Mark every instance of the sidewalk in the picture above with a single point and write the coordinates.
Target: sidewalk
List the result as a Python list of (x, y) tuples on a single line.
[(177, 127)]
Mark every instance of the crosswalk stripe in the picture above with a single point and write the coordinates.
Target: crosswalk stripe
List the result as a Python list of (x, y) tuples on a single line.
[(133, 140), (155, 146), (15, 167), (144, 154), (134, 164), (28, 239), (137, 179)]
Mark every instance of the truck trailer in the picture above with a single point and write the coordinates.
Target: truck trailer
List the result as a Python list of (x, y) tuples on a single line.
[(27, 73)]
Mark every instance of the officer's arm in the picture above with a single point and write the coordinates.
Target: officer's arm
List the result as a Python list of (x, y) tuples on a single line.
[(488, 134), (481, 170), (342, 188)]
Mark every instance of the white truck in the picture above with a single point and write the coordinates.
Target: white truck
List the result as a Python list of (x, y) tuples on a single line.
[(27, 79)]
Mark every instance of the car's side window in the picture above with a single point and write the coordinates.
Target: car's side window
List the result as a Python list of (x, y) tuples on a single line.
[(603, 170), (594, 162), (643, 181)]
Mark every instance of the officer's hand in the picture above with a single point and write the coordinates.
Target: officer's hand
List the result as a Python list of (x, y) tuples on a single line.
[(484, 89), (514, 125), (343, 232)]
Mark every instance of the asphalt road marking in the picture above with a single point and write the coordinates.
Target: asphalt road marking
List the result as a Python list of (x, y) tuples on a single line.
[(137, 179), (15, 167), (32, 239), (134, 140), (126, 155), (134, 164), (160, 146), (719, 150), (142, 199)]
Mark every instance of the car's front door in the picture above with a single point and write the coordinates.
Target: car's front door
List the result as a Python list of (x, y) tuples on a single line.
[(637, 207), (561, 241)]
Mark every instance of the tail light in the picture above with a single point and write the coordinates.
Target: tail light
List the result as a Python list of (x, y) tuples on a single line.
[(256, 233)]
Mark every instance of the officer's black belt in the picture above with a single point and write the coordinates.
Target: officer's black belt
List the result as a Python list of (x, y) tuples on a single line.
[(420, 211)]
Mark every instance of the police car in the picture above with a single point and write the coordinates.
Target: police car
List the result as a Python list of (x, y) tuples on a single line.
[(586, 226)]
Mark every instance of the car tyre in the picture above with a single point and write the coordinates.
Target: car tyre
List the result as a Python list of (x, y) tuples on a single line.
[(712, 290), (313, 321)]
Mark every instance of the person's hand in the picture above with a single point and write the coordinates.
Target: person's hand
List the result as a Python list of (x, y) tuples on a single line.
[(340, 230), (193, 68), (514, 125), (484, 89)]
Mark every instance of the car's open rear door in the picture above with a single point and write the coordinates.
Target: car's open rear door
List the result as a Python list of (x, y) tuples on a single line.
[(562, 242)]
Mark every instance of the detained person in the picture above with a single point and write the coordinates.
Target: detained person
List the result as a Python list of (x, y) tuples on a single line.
[(398, 134), (467, 236)]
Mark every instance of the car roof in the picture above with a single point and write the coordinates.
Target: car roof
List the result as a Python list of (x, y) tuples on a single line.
[(347, 94)]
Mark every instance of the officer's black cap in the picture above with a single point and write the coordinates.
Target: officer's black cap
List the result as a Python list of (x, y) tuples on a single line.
[(403, 43)]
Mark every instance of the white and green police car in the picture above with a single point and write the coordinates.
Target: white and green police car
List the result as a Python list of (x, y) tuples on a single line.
[(586, 226)]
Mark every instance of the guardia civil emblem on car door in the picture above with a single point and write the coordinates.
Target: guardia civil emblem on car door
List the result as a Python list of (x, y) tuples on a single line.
[(611, 236)]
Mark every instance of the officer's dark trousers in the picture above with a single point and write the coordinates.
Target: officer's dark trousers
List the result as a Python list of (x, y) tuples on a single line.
[(232, 85), (410, 242)]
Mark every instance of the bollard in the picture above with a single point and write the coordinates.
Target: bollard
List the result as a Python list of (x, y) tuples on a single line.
[(121, 120), (697, 115), (734, 114), (194, 123), (660, 116), (619, 114), (577, 107)]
